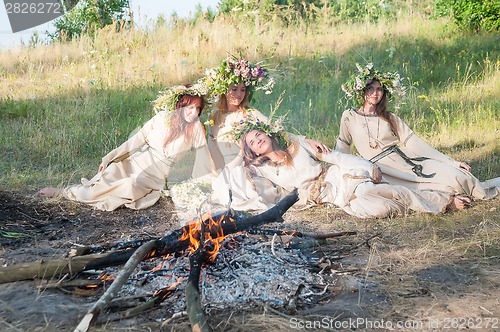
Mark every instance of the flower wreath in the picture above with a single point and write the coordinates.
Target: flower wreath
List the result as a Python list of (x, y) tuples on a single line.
[(234, 71), (274, 128), (355, 86), (167, 99)]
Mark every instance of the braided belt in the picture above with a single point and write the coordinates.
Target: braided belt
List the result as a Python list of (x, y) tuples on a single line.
[(317, 186), (416, 168)]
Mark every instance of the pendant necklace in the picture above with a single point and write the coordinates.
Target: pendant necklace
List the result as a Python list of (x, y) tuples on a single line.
[(278, 164), (373, 144)]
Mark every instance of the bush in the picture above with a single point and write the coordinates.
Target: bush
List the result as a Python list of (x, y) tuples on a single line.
[(472, 15)]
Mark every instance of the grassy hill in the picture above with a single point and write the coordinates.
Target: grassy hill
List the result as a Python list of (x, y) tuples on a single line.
[(63, 106)]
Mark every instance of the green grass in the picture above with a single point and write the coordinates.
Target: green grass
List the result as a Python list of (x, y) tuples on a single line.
[(63, 106)]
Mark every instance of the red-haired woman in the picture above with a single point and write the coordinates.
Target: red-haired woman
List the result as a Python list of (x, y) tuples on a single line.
[(134, 174)]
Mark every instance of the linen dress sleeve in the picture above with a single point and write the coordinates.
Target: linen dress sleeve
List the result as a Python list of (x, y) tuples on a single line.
[(357, 166), (203, 167), (344, 140), (134, 142), (410, 141), (353, 165)]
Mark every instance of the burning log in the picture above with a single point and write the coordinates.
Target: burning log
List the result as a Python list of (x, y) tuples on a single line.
[(173, 242), (194, 308)]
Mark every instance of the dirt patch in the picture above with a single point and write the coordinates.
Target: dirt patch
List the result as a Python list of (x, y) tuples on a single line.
[(421, 270)]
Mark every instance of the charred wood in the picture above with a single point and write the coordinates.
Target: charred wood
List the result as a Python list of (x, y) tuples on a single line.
[(229, 222), (115, 287)]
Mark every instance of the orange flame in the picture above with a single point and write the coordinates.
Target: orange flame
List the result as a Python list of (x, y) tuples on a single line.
[(105, 277), (214, 235), (166, 291)]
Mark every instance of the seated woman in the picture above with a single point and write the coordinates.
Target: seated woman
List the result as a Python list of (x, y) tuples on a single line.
[(403, 157), (134, 174), (349, 182), (233, 83)]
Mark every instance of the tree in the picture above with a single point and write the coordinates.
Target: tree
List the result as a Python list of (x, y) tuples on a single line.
[(88, 16)]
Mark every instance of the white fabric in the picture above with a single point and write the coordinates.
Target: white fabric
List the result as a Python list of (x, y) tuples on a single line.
[(347, 182), (138, 169), (449, 176)]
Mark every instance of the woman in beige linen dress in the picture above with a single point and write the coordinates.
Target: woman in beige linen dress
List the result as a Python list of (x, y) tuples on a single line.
[(134, 174), (233, 83), (287, 162), (381, 136)]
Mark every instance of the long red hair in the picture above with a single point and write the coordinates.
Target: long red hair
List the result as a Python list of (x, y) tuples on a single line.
[(178, 125)]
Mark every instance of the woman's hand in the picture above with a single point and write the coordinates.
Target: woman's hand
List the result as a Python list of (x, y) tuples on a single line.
[(104, 164), (376, 174), (465, 166), (318, 146)]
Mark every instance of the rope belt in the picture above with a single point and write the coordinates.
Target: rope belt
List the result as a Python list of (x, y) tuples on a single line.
[(317, 186), (416, 168)]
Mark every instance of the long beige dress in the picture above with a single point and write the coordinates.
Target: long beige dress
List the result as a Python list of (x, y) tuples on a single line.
[(138, 169), (365, 130), (222, 148), (346, 182)]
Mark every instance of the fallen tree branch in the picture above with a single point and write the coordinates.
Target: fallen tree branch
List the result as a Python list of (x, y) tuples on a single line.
[(115, 287), (158, 297)]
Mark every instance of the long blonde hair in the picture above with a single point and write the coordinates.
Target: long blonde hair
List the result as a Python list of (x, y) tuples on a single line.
[(221, 106), (251, 158)]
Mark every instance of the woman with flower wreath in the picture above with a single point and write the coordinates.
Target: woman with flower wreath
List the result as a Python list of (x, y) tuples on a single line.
[(350, 182), (404, 158), (233, 83), (134, 174)]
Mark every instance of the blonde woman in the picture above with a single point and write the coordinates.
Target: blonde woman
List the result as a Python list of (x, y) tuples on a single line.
[(234, 82), (346, 181)]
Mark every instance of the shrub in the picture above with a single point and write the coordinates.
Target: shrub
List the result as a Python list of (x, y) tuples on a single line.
[(472, 15)]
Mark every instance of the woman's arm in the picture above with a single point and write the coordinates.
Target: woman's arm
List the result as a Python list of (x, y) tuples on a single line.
[(344, 140), (204, 166), (318, 146), (349, 161), (134, 142)]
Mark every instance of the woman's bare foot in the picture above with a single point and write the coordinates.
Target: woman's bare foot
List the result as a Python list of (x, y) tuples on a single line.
[(459, 203), (49, 192)]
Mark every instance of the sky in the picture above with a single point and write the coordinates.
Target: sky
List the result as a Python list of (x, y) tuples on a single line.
[(144, 12)]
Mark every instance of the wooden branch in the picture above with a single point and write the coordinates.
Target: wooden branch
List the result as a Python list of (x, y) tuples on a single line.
[(157, 298), (115, 287), (55, 268), (323, 236), (72, 283), (194, 308), (230, 223), (329, 235)]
